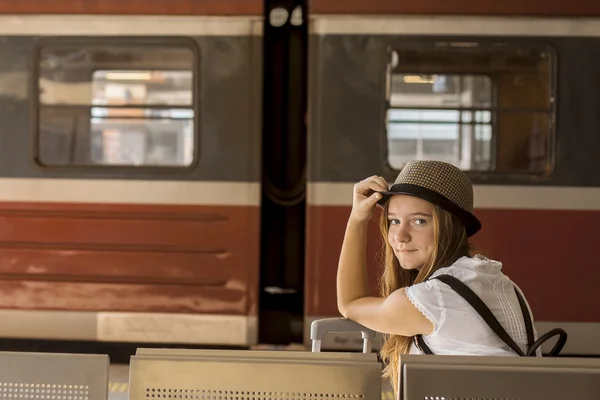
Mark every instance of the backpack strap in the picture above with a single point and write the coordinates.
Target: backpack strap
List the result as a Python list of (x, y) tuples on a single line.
[(466, 293), (533, 346)]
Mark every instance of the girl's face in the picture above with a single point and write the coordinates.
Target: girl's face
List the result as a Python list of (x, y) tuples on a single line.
[(410, 231)]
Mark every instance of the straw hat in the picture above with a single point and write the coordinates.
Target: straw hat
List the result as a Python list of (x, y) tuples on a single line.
[(439, 183)]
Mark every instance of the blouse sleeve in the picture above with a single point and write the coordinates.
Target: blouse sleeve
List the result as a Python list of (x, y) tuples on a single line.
[(427, 297)]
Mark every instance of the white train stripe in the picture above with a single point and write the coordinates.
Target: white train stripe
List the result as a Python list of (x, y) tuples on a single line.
[(486, 196), (453, 25), (233, 330), (210, 329), (248, 193), (116, 25), (538, 197), (130, 191)]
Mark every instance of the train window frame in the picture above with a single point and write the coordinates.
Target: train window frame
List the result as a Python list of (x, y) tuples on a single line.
[(116, 42), (479, 176), (460, 110)]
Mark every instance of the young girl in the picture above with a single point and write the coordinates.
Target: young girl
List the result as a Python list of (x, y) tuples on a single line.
[(426, 222)]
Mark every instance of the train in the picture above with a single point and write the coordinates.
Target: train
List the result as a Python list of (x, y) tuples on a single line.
[(181, 172)]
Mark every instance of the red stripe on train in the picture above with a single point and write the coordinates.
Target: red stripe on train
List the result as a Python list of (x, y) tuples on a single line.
[(144, 258), (551, 255)]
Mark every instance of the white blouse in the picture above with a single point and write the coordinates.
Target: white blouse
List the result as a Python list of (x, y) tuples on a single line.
[(458, 329)]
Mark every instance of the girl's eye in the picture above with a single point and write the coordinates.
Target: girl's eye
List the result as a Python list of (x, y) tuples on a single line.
[(420, 221), (394, 221)]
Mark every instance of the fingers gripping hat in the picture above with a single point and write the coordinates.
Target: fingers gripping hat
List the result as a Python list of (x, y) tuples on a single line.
[(440, 183)]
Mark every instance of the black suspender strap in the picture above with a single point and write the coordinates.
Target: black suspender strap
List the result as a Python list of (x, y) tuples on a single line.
[(466, 293), (527, 318), (422, 345)]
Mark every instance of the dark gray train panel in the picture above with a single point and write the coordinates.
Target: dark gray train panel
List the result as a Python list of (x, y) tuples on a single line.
[(348, 107)]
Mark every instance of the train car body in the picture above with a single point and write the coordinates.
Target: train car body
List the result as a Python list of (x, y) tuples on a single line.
[(507, 91), (129, 170), (153, 187)]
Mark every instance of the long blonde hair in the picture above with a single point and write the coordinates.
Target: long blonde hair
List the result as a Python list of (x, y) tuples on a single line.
[(451, 244)]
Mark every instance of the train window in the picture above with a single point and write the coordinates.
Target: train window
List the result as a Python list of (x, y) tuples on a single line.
[(482, 107), (116, 105)]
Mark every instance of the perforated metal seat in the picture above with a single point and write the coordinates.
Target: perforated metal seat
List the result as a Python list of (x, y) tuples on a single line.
[(502, 378), (157, 374), (52, 376)]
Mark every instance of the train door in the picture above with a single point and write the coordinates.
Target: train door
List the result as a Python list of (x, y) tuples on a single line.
[(283, 200)]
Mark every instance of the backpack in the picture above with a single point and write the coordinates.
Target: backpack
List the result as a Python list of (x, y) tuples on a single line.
[(466, 293)]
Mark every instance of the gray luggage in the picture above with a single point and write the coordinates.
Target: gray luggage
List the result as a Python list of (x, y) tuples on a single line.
[(320, 327)]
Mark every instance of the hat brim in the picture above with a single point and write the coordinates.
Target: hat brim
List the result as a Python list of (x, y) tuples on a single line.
[(472, 224)]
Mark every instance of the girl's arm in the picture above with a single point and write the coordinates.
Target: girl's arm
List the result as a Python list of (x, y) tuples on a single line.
[(392, 315)]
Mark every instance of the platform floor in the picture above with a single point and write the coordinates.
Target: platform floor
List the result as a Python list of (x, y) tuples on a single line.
[(119, 378)]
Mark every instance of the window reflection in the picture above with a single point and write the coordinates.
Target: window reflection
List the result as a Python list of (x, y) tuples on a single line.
[(100, 106), (482, 107)]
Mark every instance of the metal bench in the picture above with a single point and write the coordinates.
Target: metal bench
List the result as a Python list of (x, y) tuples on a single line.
[(481, 377), (52, 376), (494, 377), (163, 374)]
